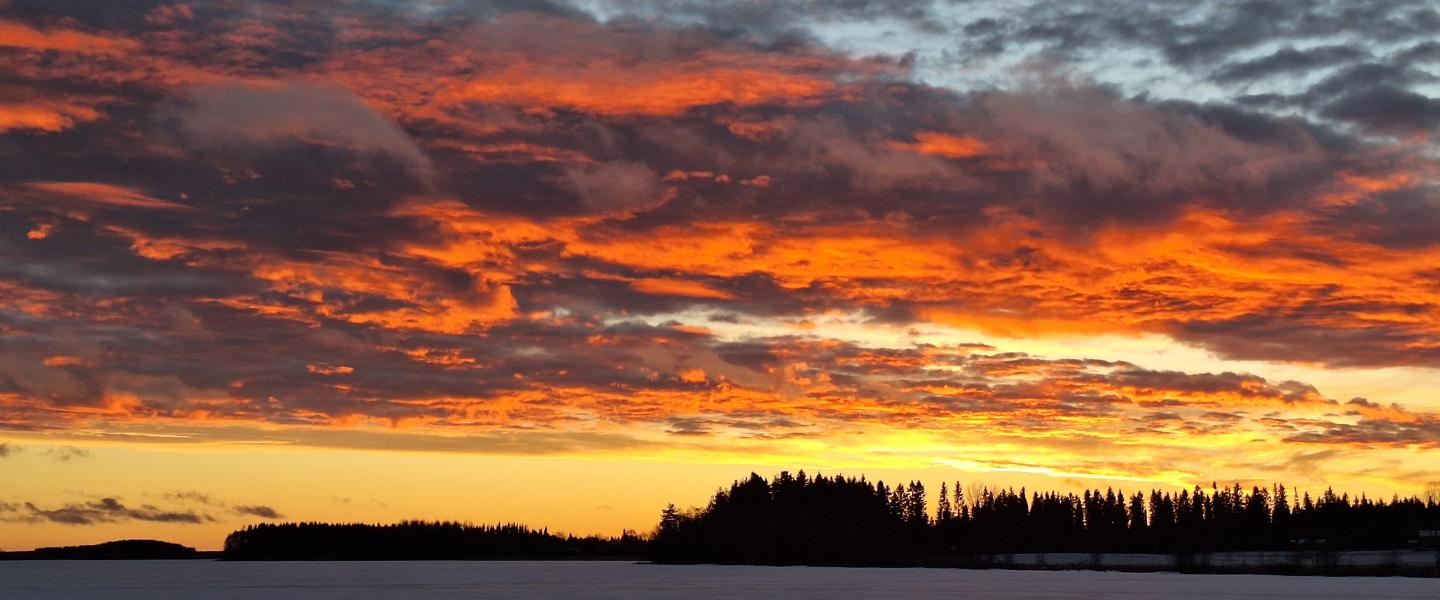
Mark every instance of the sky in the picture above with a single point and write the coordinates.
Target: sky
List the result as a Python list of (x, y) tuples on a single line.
[(564, 263)]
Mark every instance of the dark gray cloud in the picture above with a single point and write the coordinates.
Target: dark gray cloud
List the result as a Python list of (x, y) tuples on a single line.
[(239, 509), (779, 22), (1422, 53), (1192, 35), (104, 510), (1374, 433), (1238, 45), (190, 496), (236, 508), (230, 119), (184, 508), (1293, 338), (1387, 110), (258, 510), (67, 453), (1289, 60)]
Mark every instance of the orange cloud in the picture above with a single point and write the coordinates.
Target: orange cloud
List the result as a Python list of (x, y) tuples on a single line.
[(611, 71), (679, 287), (40, 231), (947, 145), (420, 304), (104, 193), (20, 35), (1204, 267), (514, 152), (615, 90), (61, 361), (595, 71), (44, 116)]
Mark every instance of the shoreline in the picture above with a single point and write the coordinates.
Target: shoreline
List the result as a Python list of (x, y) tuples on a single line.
[(1356, 563), (1368, 563)]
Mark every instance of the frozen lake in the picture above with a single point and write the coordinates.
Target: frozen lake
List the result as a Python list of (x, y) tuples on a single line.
[(213, 580)]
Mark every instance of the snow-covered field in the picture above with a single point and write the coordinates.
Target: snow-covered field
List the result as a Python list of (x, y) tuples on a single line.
[(1406, 560), (210, 580)]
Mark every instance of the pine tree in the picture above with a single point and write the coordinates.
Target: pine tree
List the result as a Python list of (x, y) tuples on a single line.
[(669, 519), (897, 502), (916, 512), (1137, 512), (1280, 515), (943, 512)]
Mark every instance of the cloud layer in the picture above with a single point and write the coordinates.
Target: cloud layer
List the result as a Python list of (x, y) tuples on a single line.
[(529, 228), (187, 508)]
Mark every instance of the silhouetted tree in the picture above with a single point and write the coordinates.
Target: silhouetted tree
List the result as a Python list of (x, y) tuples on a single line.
[(916, 511), (943, 512)]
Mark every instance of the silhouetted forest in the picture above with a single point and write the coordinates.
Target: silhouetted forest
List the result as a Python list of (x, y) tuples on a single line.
[(116, 550), (838, 520), (799, 519), (419, 540)]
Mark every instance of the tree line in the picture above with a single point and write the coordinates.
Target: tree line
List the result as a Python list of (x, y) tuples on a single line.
[(113, 550), (797, 519), (420, 540), (838, 520)]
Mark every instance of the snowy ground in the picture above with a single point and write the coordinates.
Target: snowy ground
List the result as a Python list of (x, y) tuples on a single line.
[(210, 580), (1407, 560)]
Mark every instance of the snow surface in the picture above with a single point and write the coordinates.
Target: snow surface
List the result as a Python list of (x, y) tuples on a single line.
[(1418, 559), (213, 580)]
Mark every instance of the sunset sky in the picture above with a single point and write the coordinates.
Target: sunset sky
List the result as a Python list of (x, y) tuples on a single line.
[(565, 263)]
